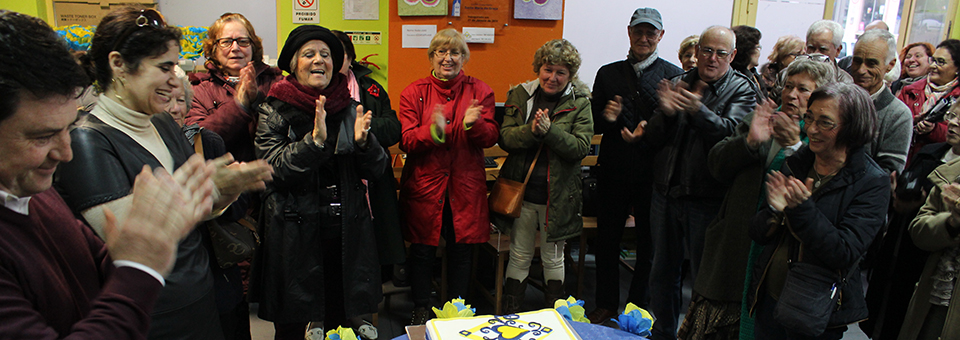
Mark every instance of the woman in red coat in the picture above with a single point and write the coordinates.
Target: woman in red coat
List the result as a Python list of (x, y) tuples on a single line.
[(923, 95), (447, 121)]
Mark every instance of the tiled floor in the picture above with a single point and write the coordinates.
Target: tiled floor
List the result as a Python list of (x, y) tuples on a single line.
[(392, 319)]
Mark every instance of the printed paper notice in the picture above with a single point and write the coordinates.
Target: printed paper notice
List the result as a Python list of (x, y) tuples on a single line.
[(418, 36), (361, 9), (306, 11), (483, 35)]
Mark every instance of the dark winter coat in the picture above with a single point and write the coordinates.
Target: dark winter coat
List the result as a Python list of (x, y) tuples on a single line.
[(835, 225), (288, 271), (383, 189), (685, 139)]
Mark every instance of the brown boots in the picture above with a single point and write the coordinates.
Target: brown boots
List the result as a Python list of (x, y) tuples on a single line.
[(513, 294), (552, 292)]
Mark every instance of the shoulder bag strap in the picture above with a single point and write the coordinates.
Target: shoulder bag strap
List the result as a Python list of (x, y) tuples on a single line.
[(198, 143), (530, 171)]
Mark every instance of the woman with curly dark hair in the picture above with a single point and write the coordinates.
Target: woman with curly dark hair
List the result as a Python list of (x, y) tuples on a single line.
[(748, 57)]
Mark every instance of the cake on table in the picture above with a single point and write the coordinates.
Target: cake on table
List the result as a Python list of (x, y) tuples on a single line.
[(544, 324)]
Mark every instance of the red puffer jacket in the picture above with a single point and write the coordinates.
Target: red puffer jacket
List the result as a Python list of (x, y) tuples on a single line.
[(452, 170), (914, 96)]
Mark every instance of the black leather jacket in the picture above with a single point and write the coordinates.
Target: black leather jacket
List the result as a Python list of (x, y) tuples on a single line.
[(684, 140), (288, 272)]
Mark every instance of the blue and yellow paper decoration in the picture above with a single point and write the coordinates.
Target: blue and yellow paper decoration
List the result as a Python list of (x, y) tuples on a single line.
[(341, 334), (456, 308), (507, 327), (77, 37), (635, 320), (191, 46), (571, 309)]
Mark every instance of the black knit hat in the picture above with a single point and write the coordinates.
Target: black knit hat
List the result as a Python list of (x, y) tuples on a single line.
[(301, 35)]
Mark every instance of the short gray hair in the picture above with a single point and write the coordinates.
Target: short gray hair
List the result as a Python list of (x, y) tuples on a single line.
[(882, 35), (822, 73), (858, 116), (829, 26), (733, 36)]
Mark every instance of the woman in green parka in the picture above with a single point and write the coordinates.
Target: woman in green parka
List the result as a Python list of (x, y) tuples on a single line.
[(549, 116)]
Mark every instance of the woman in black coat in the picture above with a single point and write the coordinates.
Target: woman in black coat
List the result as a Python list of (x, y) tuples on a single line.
[(824, 209), (318, 264)]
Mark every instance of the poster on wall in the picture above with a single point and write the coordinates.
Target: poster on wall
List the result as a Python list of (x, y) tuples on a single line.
[(538, 9), (421, 7), (306, 11), (485, 13), (361, 9)]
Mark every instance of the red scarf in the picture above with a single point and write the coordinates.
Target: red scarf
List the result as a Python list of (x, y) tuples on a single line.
[(290, 91)]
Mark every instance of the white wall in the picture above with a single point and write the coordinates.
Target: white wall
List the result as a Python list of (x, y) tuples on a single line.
[(262, 14), (771, 21), (599, 28)]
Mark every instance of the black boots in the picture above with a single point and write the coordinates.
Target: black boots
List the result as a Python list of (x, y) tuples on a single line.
[(513, 293), (552, 292)]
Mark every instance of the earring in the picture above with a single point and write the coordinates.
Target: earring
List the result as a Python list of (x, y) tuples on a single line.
[(122, 82)]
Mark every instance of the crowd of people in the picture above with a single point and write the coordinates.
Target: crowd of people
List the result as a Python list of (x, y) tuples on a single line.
[(808, 194)]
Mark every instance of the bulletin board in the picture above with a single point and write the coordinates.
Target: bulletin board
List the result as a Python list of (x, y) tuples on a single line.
[(505, 63)]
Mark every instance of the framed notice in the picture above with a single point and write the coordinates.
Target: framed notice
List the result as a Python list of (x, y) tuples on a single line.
[(361, 9), (306, 11), (485, 13), (538, 9), (421, 7)]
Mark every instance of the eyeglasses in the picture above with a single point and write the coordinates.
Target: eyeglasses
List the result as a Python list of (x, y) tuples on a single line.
[(148, 18), (648, 33), (228, 42), (454, 54), (939, 62), (823, 125), (706, 52), (820, 58), (950, 116)]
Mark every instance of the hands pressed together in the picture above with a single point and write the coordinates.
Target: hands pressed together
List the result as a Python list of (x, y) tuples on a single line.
[(247, 88), (541, 122), (950, 194), (679, 97), (787, 192)]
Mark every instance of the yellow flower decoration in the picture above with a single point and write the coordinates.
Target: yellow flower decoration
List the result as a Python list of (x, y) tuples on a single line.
[(456, 308), (571, 309), (341, 334)]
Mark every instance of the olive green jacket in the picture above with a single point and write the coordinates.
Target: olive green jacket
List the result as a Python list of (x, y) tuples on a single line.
[(567, 143)]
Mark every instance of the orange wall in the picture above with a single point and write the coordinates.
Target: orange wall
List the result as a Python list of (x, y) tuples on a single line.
[(506, 62)]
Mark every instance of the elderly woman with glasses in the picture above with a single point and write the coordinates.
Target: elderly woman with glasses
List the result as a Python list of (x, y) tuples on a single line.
[(447, 121), (317, 265), (236, 82), (822, 210), (132, 57), (924, 96)]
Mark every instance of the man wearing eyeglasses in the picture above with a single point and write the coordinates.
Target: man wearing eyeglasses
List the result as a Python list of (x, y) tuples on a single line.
[(56, 279), (624, 98), (697, 109), (826, 37), (873, 56)]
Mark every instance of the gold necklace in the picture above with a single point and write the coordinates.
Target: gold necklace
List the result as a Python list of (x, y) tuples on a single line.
[(819, 179)]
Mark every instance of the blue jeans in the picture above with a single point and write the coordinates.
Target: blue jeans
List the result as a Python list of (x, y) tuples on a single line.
[(675, 224)]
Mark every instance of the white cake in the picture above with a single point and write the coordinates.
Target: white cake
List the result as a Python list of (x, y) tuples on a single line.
[(544, 324)]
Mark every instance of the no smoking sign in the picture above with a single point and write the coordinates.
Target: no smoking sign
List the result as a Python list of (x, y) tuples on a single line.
[(306, 12)]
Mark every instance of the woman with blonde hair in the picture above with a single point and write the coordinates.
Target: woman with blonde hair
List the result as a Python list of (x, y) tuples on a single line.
[(688, 52), (547, 126), (786, 49), (447, 121)]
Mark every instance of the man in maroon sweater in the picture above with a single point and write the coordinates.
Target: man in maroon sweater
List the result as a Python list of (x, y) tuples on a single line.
[(57, 280)]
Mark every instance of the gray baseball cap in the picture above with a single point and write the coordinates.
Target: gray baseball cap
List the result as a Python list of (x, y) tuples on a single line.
[(647, 15)]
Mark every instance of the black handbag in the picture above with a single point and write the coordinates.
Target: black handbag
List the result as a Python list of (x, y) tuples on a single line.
[(235, 241), (810, 295)]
